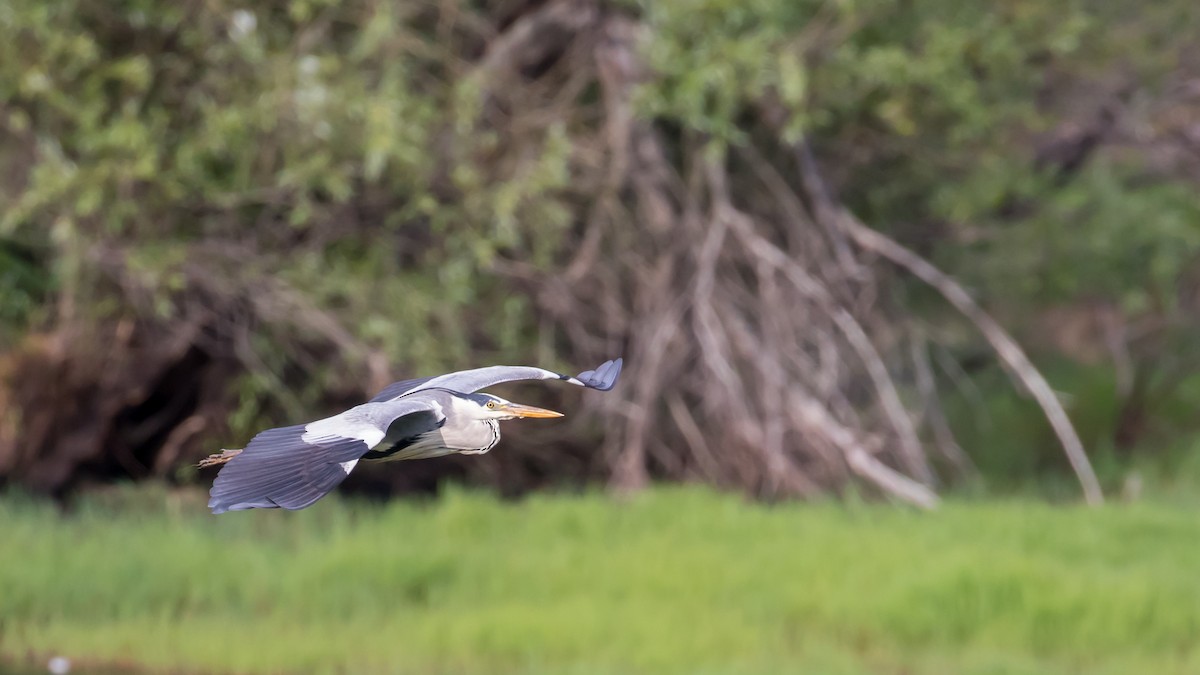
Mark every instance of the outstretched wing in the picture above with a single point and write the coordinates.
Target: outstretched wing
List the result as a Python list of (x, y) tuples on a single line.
[(468, 381), (292, 467)]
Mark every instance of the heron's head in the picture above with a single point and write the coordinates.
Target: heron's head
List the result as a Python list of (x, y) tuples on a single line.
[(495, 408)]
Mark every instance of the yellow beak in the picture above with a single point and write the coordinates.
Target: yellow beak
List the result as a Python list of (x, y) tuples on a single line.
[(529, 411)]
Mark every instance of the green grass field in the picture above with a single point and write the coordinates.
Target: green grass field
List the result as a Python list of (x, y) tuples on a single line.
[(671, 581)]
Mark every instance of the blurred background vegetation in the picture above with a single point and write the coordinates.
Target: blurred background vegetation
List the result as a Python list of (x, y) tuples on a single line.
[(219, 217)]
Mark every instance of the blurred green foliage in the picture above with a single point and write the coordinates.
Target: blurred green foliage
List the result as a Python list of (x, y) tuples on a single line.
[(155, 126), (1031, 150), (347, 150), (933, 114), (1014, 449), (332, 147), (672, 581)]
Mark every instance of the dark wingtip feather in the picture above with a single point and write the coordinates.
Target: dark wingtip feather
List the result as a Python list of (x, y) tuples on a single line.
[(603, 377)]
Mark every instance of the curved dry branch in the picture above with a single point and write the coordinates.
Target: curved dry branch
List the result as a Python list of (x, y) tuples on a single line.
[(943, 437), (852, 331), (1013, 356), (892, 482)]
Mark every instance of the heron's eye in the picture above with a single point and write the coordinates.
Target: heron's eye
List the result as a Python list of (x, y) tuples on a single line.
[(491, 404)]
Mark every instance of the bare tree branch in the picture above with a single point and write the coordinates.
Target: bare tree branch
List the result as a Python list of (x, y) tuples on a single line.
[(858, 458), (1008, 350)]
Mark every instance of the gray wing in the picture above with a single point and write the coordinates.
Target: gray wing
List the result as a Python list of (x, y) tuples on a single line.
[(467, 381), (292, 467)]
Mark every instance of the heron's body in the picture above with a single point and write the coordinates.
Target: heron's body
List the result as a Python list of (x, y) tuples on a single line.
[(292, 467), (474, 437)]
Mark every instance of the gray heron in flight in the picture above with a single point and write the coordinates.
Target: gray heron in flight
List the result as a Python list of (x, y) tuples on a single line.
[(292, 467)]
